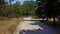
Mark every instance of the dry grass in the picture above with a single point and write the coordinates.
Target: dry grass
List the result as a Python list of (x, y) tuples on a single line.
[(8, 26)]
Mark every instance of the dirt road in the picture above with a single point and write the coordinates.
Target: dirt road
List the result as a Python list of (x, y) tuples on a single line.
[(34, 27)]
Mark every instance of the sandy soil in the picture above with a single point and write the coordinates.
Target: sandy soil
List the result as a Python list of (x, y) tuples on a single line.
[(25, 25)]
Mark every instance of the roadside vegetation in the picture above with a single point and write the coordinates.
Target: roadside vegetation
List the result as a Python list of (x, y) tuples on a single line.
[(12, 14), (8, 26)]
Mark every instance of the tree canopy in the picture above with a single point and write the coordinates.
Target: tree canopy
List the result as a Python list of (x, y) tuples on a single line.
[(17, 9)]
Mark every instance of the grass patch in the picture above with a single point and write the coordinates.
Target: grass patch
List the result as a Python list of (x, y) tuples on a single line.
[(8, 26)]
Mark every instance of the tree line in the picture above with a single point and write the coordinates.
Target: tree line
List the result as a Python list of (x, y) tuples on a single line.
[(7, 9), (48, 9)]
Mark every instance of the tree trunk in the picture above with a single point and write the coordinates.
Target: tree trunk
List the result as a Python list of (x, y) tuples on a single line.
[(10, 2), (54, 20), (43, 19)]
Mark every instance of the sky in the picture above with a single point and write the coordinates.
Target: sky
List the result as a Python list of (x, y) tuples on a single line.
[(21, 1)]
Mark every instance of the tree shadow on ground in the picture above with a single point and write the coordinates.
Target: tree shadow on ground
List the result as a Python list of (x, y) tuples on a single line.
[(46, 29)]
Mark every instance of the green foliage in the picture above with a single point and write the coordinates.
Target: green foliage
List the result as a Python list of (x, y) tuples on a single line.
[(48, 8), (27, 8), (17, 9), (14, 10)]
